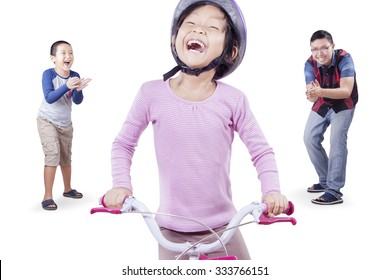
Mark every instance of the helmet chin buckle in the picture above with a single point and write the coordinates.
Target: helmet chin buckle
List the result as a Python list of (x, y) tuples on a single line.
[(184, 69), (195, 72)]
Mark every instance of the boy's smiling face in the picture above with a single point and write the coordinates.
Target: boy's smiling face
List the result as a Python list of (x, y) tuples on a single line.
[(201, 37), (63, 59)]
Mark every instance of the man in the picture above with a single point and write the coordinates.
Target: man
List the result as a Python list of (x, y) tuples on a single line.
[(331, 84)]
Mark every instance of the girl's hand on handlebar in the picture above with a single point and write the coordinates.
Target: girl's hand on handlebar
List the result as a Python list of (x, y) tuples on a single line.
[(277, 204), (115, 197)]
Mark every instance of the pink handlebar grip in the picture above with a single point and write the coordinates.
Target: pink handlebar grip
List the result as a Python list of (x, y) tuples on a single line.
[(290, 210)]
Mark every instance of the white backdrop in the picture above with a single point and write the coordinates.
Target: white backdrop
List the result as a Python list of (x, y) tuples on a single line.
[(120, 44)]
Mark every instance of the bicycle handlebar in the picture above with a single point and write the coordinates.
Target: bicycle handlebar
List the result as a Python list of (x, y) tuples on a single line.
[(257, 210)]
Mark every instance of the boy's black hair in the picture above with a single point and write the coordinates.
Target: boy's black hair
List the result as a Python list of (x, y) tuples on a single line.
[(321, 34), (53, 48)]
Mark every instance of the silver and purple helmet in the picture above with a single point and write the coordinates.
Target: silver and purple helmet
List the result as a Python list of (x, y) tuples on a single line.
[(237, 21)]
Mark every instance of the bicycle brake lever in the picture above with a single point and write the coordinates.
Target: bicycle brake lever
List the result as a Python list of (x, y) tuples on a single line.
[(106, 210), (264, 220)]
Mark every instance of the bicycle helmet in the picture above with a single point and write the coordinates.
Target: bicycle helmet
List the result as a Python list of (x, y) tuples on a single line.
[(238, 25)]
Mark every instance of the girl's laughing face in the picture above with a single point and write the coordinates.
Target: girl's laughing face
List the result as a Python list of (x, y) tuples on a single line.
[(201, 36)]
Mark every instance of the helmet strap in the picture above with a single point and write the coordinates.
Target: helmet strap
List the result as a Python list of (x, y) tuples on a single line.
[(172, 72), (195, 72)]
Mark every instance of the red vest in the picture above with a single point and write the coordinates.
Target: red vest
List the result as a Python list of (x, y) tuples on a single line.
[(330, 78)]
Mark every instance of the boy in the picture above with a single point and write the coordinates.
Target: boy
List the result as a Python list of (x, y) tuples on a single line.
[(61, 87)]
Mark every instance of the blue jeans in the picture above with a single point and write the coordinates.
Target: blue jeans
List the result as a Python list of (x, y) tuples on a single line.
[(331, 170)]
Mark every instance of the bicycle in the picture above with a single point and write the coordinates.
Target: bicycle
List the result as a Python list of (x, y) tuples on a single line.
[(198, 250)]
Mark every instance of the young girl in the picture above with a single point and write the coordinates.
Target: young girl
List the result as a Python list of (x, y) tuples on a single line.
[(194, 117)]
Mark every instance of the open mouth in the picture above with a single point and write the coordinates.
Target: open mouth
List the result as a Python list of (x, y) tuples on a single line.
[(196, 46), (67, 63)]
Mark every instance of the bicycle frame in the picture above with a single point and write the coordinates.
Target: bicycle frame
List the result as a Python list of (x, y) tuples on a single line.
[(198, 250)]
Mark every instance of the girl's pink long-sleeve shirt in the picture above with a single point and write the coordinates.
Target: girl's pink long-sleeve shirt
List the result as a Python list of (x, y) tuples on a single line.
[(193, 143)]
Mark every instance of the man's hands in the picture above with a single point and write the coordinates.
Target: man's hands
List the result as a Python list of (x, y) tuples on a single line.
[(313, 91)]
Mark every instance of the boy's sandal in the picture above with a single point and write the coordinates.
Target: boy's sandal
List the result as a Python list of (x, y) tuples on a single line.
[(316, 188), (49, 204), (327, 199), (73, 194)]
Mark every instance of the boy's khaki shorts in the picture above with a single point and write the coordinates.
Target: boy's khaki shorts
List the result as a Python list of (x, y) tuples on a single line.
[(56, 142)]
